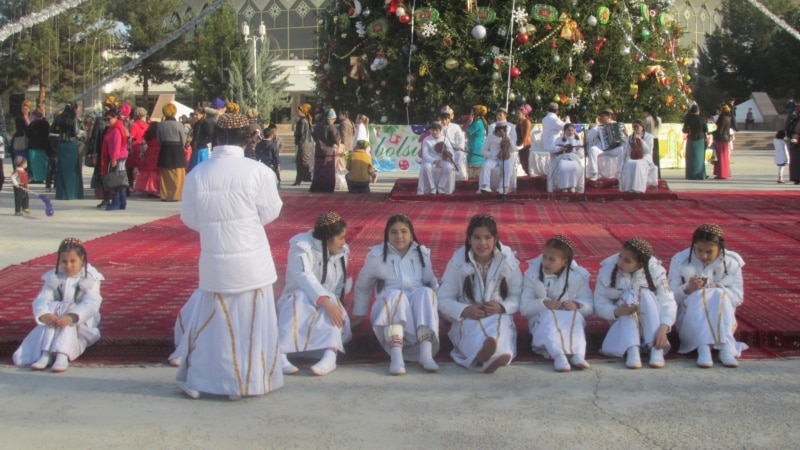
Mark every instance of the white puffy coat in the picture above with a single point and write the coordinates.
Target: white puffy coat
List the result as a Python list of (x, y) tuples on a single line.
[(228, 200)]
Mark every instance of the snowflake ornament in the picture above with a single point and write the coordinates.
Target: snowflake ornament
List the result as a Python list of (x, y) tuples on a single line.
[(574, 100), (578, 47), (361, 30), (427, 30), (520, 16)]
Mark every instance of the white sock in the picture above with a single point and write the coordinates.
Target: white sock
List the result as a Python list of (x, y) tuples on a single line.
[(329, 357), (780, 172)]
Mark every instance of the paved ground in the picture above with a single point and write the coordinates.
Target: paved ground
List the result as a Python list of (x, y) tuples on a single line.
[(522, 406)]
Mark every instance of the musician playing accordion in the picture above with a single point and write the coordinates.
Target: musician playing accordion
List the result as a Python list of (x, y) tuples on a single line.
[(436, 152), (607, 139)]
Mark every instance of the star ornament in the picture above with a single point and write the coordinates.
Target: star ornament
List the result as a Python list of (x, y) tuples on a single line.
[(520, 16), (428, 29), (574, 100)]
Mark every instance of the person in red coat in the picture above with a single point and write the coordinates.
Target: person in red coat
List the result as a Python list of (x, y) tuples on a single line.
[(113, 156), (138, 128)]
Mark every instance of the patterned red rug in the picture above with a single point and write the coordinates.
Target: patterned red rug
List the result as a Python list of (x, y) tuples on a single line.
[(151, 269), (533, 188)]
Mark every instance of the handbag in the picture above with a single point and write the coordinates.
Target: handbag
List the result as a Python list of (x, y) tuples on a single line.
[(20, 143), (115, 180), (90, 160)]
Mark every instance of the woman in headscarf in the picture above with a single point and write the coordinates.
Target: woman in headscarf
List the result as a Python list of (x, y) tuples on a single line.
[(37, 133), (696, 129), (171, 157), (476, 134), (722, 138), (326, 139), (304, 141), (22, 122), (69, 179), (137, 130)]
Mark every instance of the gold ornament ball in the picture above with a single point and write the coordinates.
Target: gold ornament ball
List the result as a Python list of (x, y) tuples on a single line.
[(579, 89), (451, 63)]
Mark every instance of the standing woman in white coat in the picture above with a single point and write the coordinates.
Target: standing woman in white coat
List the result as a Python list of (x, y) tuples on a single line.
[(310, 312), (404, 316), (706, 279), (230, 340), (632, 293), (479, 294), (555, 299)]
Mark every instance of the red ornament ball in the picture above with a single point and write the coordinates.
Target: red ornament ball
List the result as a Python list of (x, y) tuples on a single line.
[(522, 38), (404, 19), (515, 72)]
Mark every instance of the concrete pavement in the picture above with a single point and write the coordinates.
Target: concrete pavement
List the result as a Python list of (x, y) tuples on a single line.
[(522, 406)]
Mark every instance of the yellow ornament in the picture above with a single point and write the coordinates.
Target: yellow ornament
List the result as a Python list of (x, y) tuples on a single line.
[(634, 89), (423, 70)]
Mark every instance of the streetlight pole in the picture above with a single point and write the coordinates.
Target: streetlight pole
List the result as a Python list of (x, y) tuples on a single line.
[(262, 35)]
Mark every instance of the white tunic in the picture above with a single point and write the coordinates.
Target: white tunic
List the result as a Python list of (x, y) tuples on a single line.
[(552, 127), (230, 340), (491, 151), (637, 174), (405, 293), (304, 326), (454, 135), (566, 171), (468, 335), (595, 150), (430, 180), (556, 332), (62, 295), (656, 308), (707, 316)]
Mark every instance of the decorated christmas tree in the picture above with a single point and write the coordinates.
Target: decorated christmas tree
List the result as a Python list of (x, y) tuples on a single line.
[(399, 61)]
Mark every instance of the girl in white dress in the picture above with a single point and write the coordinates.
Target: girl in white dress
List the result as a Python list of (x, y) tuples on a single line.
[(310, 311), (479, 295), (706, 279), (565, 172), (66, 311), (556, 298), (781, 153), (633, 294), (404, 316)]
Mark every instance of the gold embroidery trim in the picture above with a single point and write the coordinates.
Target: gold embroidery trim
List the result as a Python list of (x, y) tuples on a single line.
[(233, 340)]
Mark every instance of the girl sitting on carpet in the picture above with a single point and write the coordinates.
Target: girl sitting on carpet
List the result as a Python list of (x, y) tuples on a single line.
[(706, 279), (479, 295), (555, 299), (404, 315), (66, 311), (310, 311), (633, 294)]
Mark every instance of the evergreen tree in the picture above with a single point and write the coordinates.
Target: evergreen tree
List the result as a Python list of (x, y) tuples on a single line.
[(749, 53), (222, 65), (63, 53), (587, 55), (147, 24)]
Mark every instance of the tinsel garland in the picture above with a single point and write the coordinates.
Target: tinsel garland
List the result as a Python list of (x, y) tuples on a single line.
[(780, 22), (36, 18)]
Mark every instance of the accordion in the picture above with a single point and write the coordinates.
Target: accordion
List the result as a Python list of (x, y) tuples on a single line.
[(611, 135)]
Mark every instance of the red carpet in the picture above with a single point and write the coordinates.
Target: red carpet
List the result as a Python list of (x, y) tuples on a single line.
[(533, 188), (151, 269)]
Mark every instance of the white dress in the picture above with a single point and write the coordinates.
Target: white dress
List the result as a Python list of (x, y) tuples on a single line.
[(781, 152), (405, 293), (431, 178), (468, 335), (637, 174), (556, 332), (229, 343), (304, 326), (708, 316), (490, 152), (566, 171), (656, 308), (62, 295)]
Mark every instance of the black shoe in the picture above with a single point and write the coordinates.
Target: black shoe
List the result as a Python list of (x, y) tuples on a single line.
[(104, 204)]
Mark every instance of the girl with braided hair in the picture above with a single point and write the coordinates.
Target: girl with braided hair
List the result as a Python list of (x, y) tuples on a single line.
[(632, 293), (556, 298), (66, 311), (311, 316), (479, 295), (706, 279), (404, 315)]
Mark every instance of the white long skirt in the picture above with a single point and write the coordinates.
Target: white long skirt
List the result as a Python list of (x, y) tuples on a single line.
[(231, 344), (468, 336), (636, 329), (304, 327), (558, 332), (414, 311), (708, 318), (71, 341), (634, 176), (179, 330)]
